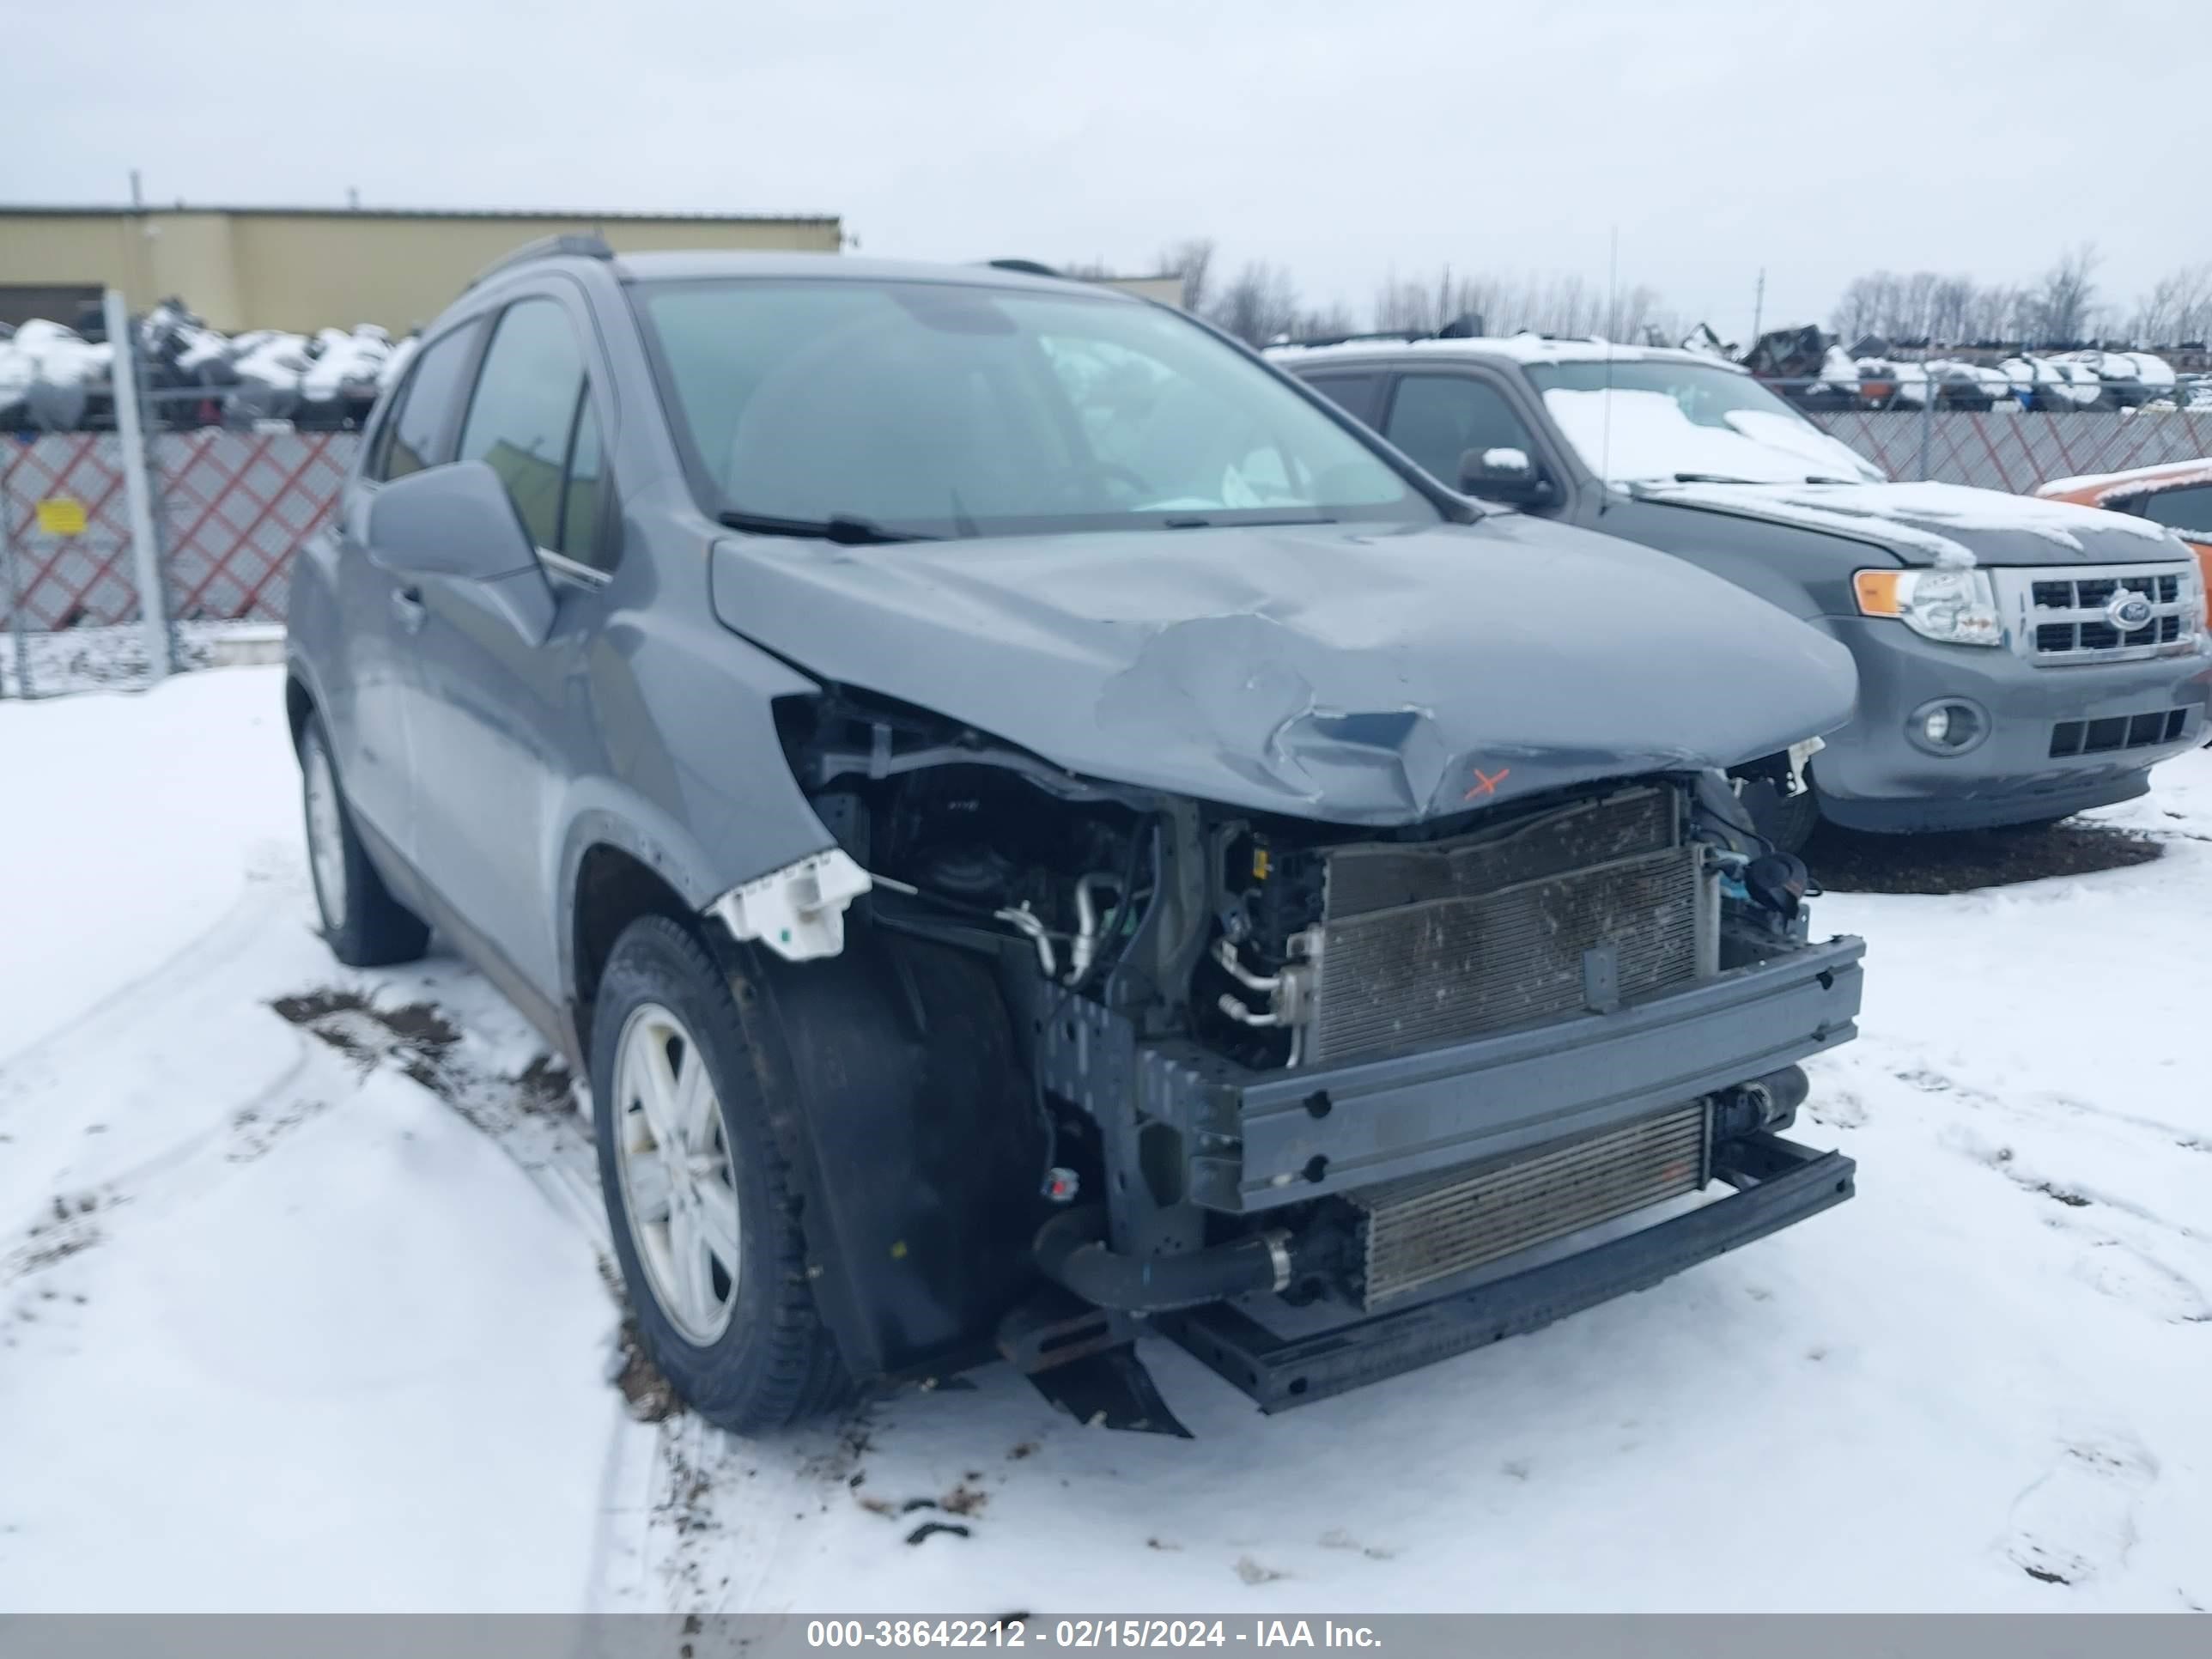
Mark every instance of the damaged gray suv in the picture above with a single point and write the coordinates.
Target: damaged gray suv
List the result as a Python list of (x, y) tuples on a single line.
[(1038, 829)]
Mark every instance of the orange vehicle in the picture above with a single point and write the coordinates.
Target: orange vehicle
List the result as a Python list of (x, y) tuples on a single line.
[(2178, 495)]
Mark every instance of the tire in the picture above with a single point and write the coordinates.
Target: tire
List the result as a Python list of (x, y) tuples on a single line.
[(1787, 821), (1793, 819), (740, 1342), (364, 925)]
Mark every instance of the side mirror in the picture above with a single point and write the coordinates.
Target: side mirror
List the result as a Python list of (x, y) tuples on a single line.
[(1504, 475), (454, 521), (458, 521)]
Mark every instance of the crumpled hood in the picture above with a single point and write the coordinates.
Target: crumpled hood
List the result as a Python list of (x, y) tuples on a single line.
[(1355, 675), (1930, 524)]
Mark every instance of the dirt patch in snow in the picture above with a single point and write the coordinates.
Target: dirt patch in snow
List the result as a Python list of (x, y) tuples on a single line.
[(1847, 862), (415, 1035), (649, 1395), (964, 1499), (544, 1086)]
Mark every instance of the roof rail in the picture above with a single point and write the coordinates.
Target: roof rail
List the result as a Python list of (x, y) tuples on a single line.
[(1465, 326), (1348, 339), (1028, 267), (569, 245)]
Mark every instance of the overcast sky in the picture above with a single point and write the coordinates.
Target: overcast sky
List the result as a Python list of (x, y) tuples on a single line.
[(1341, 138)]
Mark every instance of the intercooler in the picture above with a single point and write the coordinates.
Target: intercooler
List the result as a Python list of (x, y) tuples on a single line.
[(1600, 902), (1416, 1232)]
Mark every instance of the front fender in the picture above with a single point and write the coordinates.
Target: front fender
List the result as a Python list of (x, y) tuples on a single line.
[(692, 781)]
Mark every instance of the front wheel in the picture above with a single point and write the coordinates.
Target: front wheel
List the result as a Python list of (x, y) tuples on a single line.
[(702, 1207), (1793, 819), (1787, 821), (363, 924)]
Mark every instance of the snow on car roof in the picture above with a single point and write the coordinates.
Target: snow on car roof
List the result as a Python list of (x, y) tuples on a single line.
[(1512, 348), (2167, 475), (681, 264)]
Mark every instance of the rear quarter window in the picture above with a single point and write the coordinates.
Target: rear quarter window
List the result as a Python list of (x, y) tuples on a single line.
[(418, 432), (1358, 395)]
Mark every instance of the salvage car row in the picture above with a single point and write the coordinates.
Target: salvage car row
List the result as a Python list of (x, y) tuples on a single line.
[(1040, 825)]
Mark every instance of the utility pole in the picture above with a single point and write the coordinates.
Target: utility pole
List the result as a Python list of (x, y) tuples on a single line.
[(1612, 296), (1758, 305), (137, 196), (138, 488)]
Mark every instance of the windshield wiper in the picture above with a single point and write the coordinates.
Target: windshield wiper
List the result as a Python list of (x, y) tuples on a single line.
[(1730, 478), (841, 527), (1182, 522)]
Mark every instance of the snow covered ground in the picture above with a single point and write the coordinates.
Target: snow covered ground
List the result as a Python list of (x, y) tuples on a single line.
[(301, 1303)]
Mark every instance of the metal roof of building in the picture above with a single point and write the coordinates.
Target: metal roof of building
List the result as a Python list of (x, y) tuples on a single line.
[(61, 210)]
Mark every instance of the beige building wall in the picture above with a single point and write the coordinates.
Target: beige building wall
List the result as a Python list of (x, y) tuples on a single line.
[(1167, 289), (306, 271)]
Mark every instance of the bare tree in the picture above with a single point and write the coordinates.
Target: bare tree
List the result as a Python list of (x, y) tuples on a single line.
[(1926, 305), (1406, 305), (1192, 260), (2177, 308), (1323, 322), (1556, 302), (1260, 304), (1949, 304), (2065, 306), (1996, 312)]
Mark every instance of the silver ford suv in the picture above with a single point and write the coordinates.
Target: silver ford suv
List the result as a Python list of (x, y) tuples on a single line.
[(2019, 660)]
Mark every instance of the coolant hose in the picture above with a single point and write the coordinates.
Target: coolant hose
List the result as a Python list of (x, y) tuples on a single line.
[(1072, 1253)]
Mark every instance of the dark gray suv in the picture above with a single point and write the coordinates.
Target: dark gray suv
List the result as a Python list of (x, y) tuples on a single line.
[(1034, 826), (2019, 660)]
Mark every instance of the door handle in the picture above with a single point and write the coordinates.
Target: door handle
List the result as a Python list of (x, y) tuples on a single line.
[(407, 608)]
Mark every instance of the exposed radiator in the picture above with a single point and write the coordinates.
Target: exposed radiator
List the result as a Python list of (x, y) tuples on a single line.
[(1428, 944), (1434, 1227)]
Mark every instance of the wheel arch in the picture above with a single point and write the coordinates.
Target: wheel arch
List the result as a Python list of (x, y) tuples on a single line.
[(611, 885), (299, 701)]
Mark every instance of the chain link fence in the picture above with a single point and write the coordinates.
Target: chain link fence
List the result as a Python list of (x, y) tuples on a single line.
[(225, 510), (2016, 450)]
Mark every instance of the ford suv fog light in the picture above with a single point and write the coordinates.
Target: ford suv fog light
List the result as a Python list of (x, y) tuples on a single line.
[(1951, 726)]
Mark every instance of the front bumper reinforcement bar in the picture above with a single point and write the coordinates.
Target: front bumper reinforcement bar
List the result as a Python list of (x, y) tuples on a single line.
[(1779, 1182)]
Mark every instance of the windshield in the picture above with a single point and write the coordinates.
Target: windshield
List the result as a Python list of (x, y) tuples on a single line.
[(1638, 420), (936, 410)]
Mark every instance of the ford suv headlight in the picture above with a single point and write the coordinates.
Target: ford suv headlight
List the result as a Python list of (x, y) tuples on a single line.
[(1959, 607)]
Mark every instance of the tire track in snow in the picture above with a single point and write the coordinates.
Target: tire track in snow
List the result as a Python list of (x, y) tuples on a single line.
[(2124, 1249), (2075, 1523), (219, 944), (691, 1518)]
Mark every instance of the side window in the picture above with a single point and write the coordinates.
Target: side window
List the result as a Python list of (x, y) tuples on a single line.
[(523, 416), (530, 420), (1360, 396), (1438, 419), (415, 435), (581, 538), (2188, 509)]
